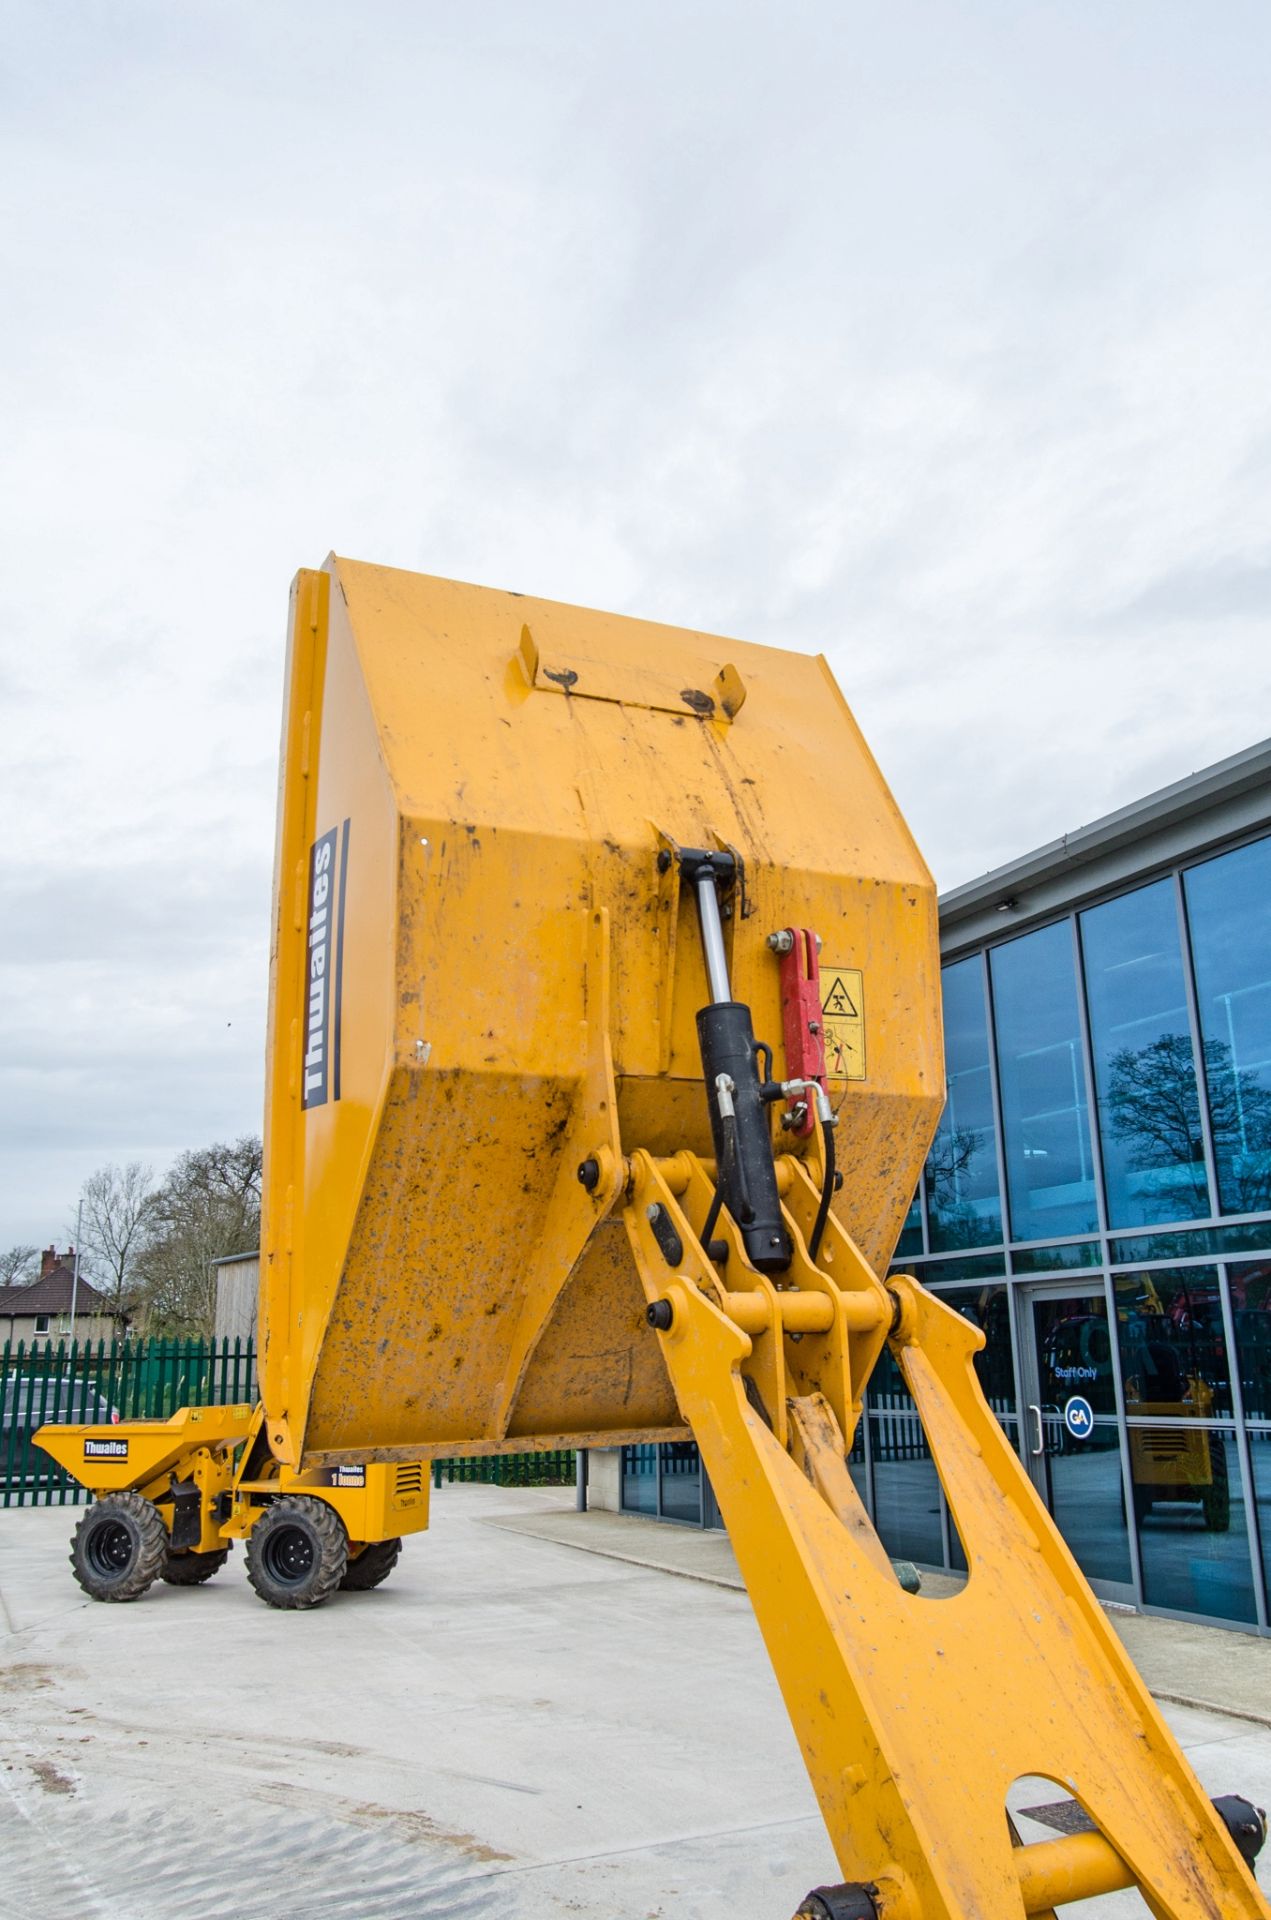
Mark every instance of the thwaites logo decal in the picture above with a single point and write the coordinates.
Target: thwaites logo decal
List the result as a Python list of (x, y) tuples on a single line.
[(324, 967), (105, 1449), (348, 1476)]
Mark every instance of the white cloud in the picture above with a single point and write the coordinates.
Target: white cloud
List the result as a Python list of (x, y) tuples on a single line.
[(931, 337)]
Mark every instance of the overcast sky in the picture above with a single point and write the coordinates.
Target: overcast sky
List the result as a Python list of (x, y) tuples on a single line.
[(935, 337)]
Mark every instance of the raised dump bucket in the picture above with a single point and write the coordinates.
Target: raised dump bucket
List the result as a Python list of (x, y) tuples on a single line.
[(486, 975)]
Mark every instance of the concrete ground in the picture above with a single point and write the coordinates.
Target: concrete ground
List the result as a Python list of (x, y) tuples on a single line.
[(508, 1727)]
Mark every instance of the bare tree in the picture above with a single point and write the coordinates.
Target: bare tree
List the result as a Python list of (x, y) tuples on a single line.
[(117, 1205), (206, 1209), (1154, 1113), (17, 1266), (954, 1152)]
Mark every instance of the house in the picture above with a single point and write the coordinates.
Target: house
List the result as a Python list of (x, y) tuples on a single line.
[(40, 1310)]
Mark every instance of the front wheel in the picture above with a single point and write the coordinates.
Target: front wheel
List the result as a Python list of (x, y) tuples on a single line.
[(372, 1566), (297, 1552), (119, 1547)]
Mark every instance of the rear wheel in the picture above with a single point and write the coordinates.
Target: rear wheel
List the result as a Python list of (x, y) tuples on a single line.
[(297, 1552), (119, 1547), (372, 1566), (192, 1569)]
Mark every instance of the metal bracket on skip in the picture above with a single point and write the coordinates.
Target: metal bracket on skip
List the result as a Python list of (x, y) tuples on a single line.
[(916, 1716)]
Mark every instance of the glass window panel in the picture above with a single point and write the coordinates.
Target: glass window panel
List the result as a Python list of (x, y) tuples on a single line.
[(1229, 911), (910, 1241), (978, 1266), (681, 1467), (1085, 1490), (1260, 1466), (1172, 1345), (858, 1466), (1250, 1284), (640, 1479), (1144, 1063), (1044, 1106), (1189, 1508), (987, 1309), (1087, 1499), (1077, 1253), (1074, 1356), (964, 1208), (1252, 1238), (906, 1485)]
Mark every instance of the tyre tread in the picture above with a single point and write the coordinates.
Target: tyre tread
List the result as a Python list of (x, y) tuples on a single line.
[(372, 1566), (192, 1569), (152, 1551), (333, 1544)]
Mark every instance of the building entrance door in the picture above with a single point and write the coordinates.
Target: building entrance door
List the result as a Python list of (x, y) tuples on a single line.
[(1070, 1431)]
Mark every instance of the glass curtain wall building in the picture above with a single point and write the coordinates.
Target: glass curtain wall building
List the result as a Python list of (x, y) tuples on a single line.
[(1098, 1201)]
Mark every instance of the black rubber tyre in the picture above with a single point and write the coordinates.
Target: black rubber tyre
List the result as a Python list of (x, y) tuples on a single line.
[(297, 1552), (192, 1569), (119, 1547), (372, 1566)]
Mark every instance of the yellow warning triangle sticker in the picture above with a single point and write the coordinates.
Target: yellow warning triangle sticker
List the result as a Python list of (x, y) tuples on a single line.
[(838, 1002)]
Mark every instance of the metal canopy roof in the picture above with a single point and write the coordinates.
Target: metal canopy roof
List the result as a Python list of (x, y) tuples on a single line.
[(1220, 803)]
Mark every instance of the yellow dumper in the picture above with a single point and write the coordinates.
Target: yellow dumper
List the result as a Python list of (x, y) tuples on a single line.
[(604, 1055)]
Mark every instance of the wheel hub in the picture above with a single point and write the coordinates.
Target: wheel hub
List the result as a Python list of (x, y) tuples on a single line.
[(289, 1555), (110, 1548)]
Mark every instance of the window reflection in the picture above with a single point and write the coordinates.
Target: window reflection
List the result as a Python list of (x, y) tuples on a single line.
[(1084, 1485), (640, 1479), (987, 1309), (910, 1241), (963, 1205), (1074, 1352), (1173, 1350), (906, 1485), (681, 1470), (1229, 909), (1044, 1107), (1145, 1070), (1189, 1508), (1250, 1284), (1260, 1468)]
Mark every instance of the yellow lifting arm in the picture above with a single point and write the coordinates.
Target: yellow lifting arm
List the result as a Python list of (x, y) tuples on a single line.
[(917, 1715)]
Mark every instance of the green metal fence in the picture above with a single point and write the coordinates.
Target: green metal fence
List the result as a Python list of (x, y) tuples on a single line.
[(97, 1383), (554, 1468)]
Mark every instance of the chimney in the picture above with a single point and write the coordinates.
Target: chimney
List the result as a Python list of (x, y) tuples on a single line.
[(51, 1258)]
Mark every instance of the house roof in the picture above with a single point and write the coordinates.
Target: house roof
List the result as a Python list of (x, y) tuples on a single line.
[(51, 1293)]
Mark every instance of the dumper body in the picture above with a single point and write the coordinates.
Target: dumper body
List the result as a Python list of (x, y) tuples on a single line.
[(482, 978)]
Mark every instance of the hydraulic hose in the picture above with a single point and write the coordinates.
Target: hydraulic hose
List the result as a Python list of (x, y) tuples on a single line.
[(827, 1189)]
